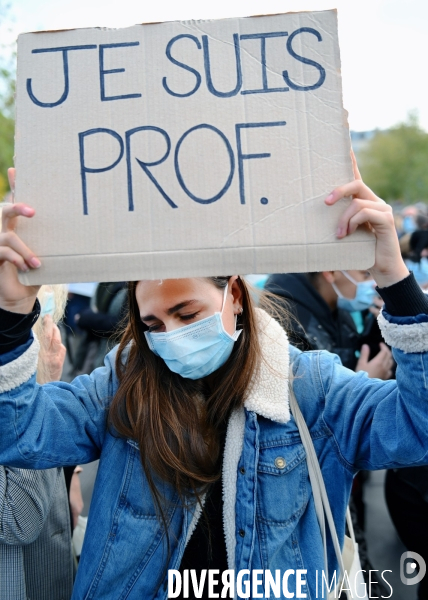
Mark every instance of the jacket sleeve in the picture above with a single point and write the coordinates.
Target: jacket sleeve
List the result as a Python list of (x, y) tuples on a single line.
[(56, 424), (381, 424), (25, 501)]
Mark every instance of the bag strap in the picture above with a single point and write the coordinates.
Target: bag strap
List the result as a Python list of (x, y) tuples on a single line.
[(322, 504), (350, 526)]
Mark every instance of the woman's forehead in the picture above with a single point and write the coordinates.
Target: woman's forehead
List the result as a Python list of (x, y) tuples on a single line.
[(147, 290), (182, 283)]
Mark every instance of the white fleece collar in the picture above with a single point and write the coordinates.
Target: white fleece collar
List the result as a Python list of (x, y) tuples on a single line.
[(268, 395), (408, 338), (232, 454), (19, 371)]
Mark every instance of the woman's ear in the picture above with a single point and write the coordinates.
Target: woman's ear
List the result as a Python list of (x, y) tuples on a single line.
[(329, 276), (236, 291)]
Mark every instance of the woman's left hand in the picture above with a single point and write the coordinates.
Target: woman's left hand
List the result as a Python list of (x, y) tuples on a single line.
[(367, 209)]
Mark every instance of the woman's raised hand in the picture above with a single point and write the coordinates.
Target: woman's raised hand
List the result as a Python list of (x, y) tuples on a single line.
[(369, 210), (52, 353), (14, 256)]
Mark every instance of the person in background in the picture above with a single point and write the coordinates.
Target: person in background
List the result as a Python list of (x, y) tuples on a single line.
[(414, 249), (408, 220), (79, 298), (406, 490), (36, 560), (54, 300), (406, 495), (322, 305), (98, 323)]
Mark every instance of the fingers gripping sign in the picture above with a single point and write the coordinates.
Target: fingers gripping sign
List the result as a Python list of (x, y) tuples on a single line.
[(367, 209), (14, 255)]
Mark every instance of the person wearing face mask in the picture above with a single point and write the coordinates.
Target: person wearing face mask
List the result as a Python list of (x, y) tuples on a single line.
[(322, 304), (198, 350), (414, 249), (35, 536), (201, 464)]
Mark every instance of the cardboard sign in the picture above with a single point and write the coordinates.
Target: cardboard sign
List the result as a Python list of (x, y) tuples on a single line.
[(184, 149)]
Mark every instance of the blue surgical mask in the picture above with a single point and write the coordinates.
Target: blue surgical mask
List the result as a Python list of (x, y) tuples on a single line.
[(195, 350), (364, 296), (419, 269), (48, 306), (257, 281), (409, 225)]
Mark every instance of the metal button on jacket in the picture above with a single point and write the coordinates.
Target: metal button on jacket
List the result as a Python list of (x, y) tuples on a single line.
[(280, 462)]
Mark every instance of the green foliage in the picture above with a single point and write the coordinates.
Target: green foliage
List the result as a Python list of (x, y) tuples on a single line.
[(7, 127), (7, 97), (7, 94), (395, 163)]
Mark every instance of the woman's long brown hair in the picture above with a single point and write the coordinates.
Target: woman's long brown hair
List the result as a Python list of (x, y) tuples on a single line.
[(177, 421)]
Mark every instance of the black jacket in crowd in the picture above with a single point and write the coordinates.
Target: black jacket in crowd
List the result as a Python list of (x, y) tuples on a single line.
[(315, 326)]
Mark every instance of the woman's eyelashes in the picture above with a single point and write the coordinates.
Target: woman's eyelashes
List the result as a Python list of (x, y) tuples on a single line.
[(189, 317), (159, 326)]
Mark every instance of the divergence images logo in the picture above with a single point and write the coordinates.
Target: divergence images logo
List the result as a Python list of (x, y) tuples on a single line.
[(412, 568)]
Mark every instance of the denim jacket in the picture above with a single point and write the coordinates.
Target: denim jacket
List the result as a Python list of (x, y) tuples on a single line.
[(269, 516)]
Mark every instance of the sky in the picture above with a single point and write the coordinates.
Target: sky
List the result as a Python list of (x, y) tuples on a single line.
[(383, 43)]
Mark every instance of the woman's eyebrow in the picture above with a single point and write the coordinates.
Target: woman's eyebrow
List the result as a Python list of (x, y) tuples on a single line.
[(179, 306), (148, 318), (171, 310)]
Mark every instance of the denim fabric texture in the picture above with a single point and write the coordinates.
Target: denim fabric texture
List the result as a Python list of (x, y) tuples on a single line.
[(355, 422)]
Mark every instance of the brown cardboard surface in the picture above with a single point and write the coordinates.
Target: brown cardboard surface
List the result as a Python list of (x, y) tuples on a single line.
[(184, 148)]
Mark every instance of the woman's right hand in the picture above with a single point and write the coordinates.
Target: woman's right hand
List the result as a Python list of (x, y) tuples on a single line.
[(14, 255)]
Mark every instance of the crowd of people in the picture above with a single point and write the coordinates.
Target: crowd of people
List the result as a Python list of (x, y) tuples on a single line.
[(181, 389)]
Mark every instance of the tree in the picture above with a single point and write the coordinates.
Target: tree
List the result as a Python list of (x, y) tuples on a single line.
[(7, 95), (395, 162), (7, 128)]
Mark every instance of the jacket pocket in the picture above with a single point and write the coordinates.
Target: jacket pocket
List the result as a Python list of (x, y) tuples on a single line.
[(283, 486), (135, 490)]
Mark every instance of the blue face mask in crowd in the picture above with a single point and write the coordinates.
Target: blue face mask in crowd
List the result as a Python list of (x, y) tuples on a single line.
[(364, 296), (409, 225), (48, 307), (419, 269), (195, 350)]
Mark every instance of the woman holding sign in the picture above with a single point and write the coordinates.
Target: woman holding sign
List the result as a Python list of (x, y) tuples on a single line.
[(190, 420)]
